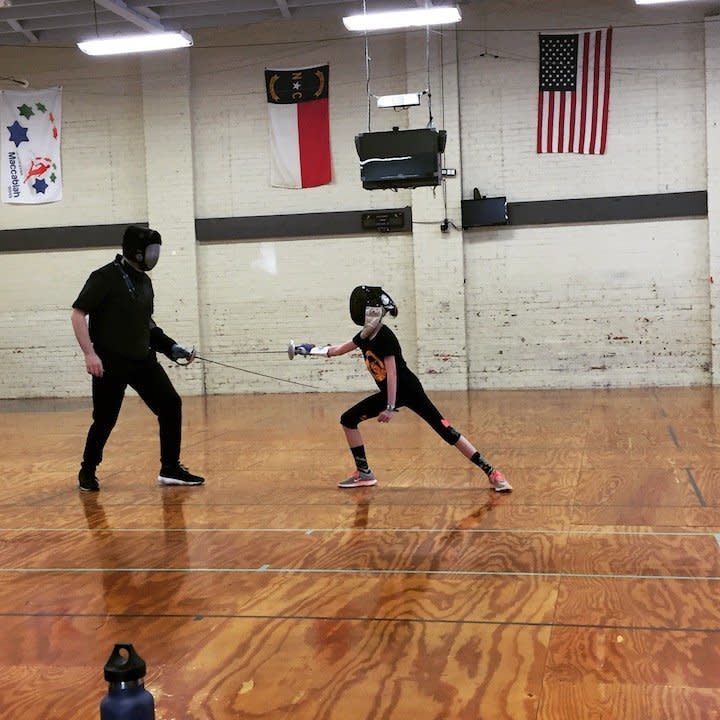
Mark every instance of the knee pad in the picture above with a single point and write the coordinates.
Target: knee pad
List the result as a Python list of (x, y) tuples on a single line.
[(348, 421), (450, 435)]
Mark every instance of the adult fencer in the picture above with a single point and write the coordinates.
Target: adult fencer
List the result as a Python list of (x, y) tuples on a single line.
[(112, 318)]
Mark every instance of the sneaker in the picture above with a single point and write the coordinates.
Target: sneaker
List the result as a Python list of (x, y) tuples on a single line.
[(358, 479), (178, 475), (87, 481), (499, 482)]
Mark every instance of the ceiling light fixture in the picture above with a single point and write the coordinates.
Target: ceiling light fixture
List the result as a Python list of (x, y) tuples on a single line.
[(398, 101), (657, 2), (122, 44), (415, 17)]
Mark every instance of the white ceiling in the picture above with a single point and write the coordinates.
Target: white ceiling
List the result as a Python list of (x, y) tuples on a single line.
[(65, 22), (62, 22)]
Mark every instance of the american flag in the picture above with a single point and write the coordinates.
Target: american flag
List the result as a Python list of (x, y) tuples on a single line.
[(574, 92)]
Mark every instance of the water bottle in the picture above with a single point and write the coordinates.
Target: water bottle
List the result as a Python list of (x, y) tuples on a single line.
[(127, 698)]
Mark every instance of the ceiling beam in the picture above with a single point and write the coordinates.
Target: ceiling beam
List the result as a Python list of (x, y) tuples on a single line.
[(283, 7), (119, 8), (15, 25)]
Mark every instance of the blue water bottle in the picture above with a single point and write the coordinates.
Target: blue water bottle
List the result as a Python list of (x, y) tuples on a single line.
[(127, 698)]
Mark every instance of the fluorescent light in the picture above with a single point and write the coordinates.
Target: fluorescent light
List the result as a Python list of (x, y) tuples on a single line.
[(393, 101), (119, 45), (402, 18), (657, 2)]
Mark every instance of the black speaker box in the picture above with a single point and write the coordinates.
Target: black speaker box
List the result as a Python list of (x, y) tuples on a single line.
[(400, 158)]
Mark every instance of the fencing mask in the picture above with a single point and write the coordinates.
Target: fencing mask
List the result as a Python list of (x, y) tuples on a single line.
[(368, 305), (141, 246)]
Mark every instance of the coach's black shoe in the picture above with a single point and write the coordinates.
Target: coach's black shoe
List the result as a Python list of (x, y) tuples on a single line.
[(178, 475), (87, 481)]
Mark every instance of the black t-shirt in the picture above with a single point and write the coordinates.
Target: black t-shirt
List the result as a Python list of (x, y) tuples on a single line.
[(375, 350), (119, 302)]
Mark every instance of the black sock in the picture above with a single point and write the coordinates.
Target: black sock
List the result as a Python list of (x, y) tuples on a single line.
[(361, 462), (482, 463)]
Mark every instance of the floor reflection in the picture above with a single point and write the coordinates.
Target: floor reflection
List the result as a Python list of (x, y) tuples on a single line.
[(135, 585)]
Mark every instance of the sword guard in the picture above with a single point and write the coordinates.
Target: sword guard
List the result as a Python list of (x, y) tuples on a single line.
[(187, 360)]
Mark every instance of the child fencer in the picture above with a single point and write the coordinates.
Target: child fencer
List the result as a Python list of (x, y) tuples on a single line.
[(397, 385)]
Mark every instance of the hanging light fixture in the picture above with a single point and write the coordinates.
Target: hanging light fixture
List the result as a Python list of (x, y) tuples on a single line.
[(415, 17), (119, 45), (156, 37)]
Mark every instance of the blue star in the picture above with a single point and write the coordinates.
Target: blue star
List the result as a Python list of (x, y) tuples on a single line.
[(18, 133), (40, 186)]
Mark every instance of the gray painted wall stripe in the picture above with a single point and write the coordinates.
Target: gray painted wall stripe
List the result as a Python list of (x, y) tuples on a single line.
[(64, 238), (248, 229), (299, 225), (609, 209)]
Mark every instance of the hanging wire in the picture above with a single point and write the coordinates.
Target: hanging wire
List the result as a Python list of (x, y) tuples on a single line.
[(442, 79), (446, 222), (17, 81), (367, 67), (97, 32), (427, 65)]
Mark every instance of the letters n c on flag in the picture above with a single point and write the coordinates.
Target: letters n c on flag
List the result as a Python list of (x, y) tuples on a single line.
[(299, 126), (574, 92), (30, 168)]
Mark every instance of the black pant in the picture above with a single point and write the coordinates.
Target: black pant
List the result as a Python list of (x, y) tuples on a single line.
[(410, 393), (150, 381)]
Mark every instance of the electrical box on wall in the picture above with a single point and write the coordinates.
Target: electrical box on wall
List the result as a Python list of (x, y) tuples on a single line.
[(385, 222)]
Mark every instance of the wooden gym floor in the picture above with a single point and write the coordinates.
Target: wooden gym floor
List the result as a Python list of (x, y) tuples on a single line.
[(590, 593)]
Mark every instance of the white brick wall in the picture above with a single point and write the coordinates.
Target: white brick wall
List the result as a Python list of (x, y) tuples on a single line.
[(257, 297), (577, 306), (103, 147), (656, 136), (712, 75), (230, 131), (592, 306), (170, 190)]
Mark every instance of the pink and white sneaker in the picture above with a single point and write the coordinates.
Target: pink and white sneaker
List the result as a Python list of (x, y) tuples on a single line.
[(358, 479), (499, 482)]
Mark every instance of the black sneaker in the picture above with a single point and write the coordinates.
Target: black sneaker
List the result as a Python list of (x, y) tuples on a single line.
[(87, 481), (178, 475)]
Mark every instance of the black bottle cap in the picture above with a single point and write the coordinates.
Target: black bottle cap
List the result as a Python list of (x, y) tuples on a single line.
[(124, 664)]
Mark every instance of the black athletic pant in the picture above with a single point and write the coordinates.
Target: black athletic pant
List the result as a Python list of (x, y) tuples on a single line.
[(410, 394), (150, 381)]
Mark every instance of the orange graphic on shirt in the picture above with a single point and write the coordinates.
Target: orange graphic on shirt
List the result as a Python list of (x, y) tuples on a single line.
[(376, 366)]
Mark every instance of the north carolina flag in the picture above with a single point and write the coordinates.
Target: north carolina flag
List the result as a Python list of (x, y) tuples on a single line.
[(299, 127), (30, 164)]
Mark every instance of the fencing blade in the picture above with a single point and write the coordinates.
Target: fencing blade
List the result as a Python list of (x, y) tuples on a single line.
[(252, 372), (290, 352)]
